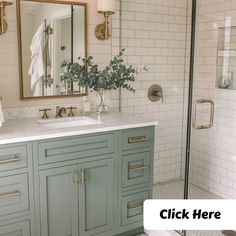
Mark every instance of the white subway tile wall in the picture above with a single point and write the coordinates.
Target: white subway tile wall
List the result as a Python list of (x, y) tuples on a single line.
[(213, 162), (153, 33)]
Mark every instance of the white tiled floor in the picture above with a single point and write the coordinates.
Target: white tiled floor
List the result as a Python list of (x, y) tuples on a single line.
[(175, 190)]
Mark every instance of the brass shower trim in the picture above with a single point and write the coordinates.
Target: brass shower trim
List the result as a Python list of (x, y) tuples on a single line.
[(155, 93)]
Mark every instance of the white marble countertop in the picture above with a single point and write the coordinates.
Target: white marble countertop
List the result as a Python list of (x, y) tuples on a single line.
[(23, 130)]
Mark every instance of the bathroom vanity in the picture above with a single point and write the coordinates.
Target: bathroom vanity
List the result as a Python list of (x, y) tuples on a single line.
[(82, 181)]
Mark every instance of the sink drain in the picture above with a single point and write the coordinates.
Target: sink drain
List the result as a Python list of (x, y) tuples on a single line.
[(229, 232)]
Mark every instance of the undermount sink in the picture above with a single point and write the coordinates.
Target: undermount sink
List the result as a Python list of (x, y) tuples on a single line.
[(60, 123)]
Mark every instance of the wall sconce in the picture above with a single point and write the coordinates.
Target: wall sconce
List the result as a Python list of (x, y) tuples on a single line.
[(107, 8), (3, 22)]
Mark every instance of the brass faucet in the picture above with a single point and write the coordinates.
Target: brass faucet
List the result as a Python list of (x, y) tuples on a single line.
[(60, 112)]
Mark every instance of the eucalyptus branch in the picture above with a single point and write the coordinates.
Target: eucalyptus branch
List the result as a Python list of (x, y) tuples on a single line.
[(114, 76)]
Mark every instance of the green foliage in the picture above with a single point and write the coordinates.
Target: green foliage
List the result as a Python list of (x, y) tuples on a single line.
[(86, 74)]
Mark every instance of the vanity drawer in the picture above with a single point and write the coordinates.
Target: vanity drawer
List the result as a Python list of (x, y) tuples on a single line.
[(75, 148), (136, 168), (16, 229), (132, 207), (137, 138), (13, 194), (12, 158)]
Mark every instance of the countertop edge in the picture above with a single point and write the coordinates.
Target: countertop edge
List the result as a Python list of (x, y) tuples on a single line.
[(76, 133)]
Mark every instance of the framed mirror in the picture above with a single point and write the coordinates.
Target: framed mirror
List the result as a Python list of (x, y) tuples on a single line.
[(49, 32)]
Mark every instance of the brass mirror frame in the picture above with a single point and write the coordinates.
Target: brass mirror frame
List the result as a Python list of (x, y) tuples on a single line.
[(20, 64)]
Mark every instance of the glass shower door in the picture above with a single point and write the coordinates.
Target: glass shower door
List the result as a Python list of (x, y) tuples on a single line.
[(212, 159)]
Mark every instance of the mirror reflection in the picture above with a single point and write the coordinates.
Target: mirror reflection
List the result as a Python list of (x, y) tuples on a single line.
[(49, 34)]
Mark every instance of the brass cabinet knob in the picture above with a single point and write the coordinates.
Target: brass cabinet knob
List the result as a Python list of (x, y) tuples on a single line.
[(71, 113), (45, 115)]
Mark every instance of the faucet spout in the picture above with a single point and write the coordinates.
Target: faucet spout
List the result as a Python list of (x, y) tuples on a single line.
[(60, 112)]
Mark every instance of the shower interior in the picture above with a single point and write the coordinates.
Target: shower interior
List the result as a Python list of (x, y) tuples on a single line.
[(157, 33)]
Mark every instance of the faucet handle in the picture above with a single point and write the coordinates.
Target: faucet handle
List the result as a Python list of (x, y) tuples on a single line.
[(45, 115), (71, 113)]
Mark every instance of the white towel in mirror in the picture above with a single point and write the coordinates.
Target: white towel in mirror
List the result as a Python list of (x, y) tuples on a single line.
[(37, 67)]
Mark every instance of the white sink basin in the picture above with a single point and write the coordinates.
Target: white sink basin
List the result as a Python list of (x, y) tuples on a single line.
[(60, 123)]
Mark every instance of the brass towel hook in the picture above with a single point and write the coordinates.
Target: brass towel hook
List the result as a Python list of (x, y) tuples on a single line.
[(1, 98)]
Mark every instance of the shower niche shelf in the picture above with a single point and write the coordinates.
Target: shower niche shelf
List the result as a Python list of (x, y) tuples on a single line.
[(230, 53), (226, 58)]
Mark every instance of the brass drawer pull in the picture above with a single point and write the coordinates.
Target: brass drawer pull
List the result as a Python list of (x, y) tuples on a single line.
[(12, 159), (75, 177), (136, 207), (138, 139), (10, 194), (82, 176), (138, 168)]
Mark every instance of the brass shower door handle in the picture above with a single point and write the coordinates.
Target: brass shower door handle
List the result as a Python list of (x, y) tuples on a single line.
[(212, 112)]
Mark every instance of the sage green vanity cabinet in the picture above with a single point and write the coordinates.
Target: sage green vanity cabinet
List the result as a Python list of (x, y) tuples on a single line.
[(16, 190), (135, 176), (58, 202), (96, 197), (84, 185), (77, 199)]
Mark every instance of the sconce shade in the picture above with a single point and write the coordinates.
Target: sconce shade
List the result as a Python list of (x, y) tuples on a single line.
[(106, 6)]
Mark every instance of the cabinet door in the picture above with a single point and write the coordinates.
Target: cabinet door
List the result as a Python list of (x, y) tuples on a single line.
[(96, 197), (16, 229), (58, 202)]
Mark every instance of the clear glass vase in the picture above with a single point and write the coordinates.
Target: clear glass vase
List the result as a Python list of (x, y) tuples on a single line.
[(102, 107)]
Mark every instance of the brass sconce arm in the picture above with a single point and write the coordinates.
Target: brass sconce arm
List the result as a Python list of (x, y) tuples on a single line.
[(107, 8), (3, 22), (102, 30)]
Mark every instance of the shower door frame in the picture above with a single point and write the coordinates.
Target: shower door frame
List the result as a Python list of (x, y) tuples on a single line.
[(192, 114), (190, 103)]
